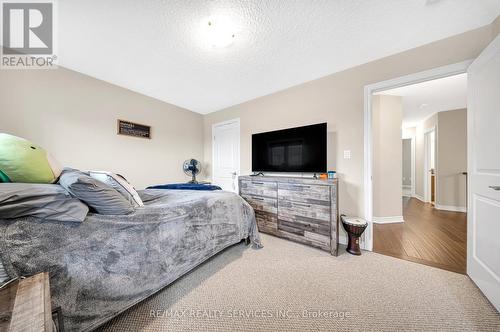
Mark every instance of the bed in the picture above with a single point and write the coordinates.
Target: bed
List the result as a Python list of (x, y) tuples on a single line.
[(106, 264)]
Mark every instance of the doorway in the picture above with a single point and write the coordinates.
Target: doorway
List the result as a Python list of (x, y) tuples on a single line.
[(428, 223), (226, 154)]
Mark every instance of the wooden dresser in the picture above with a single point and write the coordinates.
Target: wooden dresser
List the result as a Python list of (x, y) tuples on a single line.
[(304, 210)]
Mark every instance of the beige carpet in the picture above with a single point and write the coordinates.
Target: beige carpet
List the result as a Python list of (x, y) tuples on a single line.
[(290, 287)]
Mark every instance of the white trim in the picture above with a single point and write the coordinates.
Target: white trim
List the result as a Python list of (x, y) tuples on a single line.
[(451, 208), (407, 191), (388, 220), (420, 198), (368, 166), (343, 238), (413, 163), (428, 75), (430, 130), (234, 122), (226, 123)]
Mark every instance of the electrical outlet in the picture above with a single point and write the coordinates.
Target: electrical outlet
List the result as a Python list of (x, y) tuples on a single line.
[(347, 154)]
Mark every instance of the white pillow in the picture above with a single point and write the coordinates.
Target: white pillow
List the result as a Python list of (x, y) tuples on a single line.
[(119, 184), (3, 274)]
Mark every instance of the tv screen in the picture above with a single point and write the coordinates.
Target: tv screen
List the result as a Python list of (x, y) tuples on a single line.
[(301, 149)]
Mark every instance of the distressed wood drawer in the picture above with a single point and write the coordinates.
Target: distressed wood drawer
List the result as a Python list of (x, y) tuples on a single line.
[(266, 222), (304, 193), (289, 210), (262, 203), (323, 244), (290, 228), (306, 224), (324, 240), (257, 188)]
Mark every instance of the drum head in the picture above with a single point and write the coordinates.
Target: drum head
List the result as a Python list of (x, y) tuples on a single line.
[(354, 221)]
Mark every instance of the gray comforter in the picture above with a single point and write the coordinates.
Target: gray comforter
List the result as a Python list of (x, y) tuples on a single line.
[(106, 264)]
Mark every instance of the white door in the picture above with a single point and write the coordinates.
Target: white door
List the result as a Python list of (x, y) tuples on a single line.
[(483, 227), (226, 154)]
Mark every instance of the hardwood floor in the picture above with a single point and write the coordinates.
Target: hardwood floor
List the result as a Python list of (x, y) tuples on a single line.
[(428, 236)]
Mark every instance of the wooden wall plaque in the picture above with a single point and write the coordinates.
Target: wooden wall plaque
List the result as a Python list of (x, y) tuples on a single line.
[(133, 129)]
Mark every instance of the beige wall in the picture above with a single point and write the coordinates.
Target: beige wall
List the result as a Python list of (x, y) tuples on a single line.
[(406, 162), (338, 100), (495, 27), (451, 158), (74, 117), (409, 134), (387, 156)]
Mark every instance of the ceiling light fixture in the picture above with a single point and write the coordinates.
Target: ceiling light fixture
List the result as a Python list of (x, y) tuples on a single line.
[(219, 32)]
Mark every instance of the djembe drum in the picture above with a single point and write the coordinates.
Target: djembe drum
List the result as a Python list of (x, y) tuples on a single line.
[(354, 228)]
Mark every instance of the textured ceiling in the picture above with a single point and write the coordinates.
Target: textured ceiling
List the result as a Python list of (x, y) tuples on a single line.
[(158, 47), (424, 99)]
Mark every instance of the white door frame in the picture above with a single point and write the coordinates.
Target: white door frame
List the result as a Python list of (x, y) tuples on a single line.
[(428, 75), (413, 159), (427, 176), (221, 124)]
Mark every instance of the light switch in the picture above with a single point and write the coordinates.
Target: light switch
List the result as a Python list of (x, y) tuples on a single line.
[(347, 154)]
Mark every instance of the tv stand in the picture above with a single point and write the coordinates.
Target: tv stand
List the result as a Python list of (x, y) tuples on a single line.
[(304, 210), (257, 174), (315, 176)]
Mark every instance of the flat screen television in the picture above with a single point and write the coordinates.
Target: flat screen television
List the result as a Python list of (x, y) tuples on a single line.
[(301, 150)]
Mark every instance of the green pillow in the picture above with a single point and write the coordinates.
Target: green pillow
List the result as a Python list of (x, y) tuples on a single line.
[(3, 177), (22, 161)]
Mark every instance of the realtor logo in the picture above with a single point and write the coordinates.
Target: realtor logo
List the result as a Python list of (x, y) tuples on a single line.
[(27, 34)]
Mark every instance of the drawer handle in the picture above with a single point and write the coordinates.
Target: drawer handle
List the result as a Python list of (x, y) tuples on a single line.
[(495, 187), (258, 198), (258, 183), (305, 187), (301, 204)]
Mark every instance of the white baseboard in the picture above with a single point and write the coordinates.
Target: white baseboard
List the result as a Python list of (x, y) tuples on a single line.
[(451, 208), (420, 198), (388, 220), (342, 238)]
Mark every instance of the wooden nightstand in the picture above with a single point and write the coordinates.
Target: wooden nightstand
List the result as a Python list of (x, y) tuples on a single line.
[(25, 305)]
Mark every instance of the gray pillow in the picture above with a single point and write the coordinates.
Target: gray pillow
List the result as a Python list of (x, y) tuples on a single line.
[(118, 183), (96, 194), (45, 201)]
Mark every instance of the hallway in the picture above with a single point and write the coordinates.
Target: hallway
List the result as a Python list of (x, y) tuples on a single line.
[(428, 236)]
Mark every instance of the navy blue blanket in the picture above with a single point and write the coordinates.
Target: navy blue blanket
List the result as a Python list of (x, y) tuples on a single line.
[(186, 186)]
